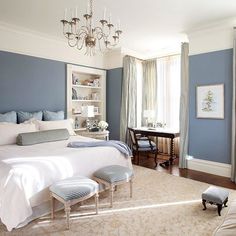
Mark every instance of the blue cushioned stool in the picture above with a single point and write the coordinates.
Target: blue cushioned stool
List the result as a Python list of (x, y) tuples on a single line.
[(215, 195), (71, 191), (114, 175)]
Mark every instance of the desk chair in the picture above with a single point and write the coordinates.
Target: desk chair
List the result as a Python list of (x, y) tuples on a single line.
[(142, 144)]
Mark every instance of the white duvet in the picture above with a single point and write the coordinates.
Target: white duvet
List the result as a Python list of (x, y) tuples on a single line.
[(26, 172)]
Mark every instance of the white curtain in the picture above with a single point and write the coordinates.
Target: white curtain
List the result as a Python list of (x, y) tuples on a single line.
[(233, 144), (128, 116), (168, 96), (149, 91), (184, 106)]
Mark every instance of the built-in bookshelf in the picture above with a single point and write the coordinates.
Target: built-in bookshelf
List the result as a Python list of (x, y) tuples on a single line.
[(85, 87)]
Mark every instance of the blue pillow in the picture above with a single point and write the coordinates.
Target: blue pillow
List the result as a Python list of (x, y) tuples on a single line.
[(8, 117), (22, 116), (50, 115)]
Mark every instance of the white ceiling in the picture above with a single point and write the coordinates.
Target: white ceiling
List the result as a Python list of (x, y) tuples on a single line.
[(148, 25)]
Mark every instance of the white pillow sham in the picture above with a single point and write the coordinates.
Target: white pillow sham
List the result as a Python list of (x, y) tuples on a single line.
[(9, 131), (57, 124)]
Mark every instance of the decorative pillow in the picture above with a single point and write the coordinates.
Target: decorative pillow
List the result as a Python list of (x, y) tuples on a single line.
[(42, 137), (10, 131), (8, 117), (57, 124), (50, 115), (22, 116)]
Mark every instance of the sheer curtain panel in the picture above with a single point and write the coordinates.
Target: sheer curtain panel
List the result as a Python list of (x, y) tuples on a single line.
[(149, 100), (184, 106), (128, 116), (233, 144)]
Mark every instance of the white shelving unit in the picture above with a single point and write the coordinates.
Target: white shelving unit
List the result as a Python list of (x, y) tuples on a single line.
[(85, 86)]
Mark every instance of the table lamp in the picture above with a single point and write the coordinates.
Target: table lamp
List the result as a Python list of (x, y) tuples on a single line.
[(148, 114)]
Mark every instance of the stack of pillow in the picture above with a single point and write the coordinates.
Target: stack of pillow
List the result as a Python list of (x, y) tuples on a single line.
[(14, 123)]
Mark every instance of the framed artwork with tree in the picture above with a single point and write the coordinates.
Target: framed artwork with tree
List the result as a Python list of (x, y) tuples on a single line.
[(210, 101)]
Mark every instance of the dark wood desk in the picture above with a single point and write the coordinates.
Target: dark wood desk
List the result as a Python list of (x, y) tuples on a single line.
[(164, 133)]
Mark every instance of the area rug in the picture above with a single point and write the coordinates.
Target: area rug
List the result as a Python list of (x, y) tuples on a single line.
[(162, 204)]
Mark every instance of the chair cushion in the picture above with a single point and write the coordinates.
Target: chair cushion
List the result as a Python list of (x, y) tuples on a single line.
[(114, 173), (215, 195), (74, 188), (144, 145)]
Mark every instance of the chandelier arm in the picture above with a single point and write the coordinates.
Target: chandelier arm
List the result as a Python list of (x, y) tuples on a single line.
[(71, 44), (79, 48)]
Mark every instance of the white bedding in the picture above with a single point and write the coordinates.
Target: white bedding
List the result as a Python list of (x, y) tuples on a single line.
[(26, 172)]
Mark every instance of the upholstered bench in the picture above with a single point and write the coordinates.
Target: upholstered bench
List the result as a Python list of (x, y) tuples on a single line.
[(71, 191), (228, 225), (215, 195), (114, 175)]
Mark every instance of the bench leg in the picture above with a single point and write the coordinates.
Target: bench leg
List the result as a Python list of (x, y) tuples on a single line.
[(131, 188), (204, 204), (225, 202), (67, 211), (96, 202), (111, 195), (52, 206), (219, 206)]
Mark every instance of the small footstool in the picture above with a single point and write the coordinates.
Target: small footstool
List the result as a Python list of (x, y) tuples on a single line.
[(114, 175), (71, 191), (215, 195)]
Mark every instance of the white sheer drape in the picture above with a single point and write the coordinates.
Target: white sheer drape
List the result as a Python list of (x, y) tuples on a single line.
[(168, 97), (149, 87), (128, 117), (184, 106), (233, 134)]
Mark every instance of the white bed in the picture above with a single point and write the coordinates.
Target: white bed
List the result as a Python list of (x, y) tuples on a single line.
[(26, 172)]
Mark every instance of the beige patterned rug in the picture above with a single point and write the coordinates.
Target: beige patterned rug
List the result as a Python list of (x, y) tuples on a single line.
[(162, 205)]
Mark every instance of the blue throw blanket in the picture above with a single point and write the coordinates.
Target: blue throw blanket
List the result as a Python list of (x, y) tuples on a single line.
[(121, 146)]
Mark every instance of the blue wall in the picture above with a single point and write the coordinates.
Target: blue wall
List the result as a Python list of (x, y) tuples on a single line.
[(31, 84), (209, 139), (114, 83)]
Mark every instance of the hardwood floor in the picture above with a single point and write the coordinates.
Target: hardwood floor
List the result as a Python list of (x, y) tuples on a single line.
[(190, 174)]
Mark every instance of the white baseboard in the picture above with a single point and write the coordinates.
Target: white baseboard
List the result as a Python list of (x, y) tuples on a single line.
[(211, 167)]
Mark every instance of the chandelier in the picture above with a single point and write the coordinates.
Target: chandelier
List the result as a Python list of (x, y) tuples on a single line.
[(106, 35)]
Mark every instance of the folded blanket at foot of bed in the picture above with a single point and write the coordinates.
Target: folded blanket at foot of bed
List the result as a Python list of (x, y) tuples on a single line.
[(120, 146)]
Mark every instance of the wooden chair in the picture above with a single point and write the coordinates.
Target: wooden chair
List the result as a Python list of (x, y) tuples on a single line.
[(142, 144)]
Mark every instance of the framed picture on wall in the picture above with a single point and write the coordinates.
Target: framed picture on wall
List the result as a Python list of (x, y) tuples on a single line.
[(210, 101)]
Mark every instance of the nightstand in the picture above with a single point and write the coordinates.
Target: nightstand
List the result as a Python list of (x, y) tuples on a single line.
[(104, 135)]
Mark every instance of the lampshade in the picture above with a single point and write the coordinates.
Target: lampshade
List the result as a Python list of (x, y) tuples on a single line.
[(148, 113), (88, 111)]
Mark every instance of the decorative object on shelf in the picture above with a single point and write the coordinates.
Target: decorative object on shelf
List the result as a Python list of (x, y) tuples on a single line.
[(74, 94), (103, 125), (88, 112), (88, 35), (77, 123), (210, 101)]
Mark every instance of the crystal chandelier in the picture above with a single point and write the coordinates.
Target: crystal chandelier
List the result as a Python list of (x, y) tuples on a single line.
[(106, 35)]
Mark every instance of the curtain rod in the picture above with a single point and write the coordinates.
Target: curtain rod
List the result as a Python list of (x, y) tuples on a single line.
[(176, 54)]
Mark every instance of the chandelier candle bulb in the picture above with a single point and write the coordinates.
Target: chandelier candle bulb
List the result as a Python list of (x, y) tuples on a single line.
[(65, 13), (76, 12), (104, 13)]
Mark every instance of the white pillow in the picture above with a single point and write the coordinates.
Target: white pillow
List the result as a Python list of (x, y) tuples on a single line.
[(57, 124), (9, 132)]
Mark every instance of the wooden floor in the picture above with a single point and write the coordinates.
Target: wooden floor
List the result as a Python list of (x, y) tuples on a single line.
[(190, 174)]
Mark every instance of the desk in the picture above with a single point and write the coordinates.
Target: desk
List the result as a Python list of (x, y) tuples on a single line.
[(164, 133)]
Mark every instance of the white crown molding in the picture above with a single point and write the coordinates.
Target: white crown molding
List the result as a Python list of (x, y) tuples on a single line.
[(23, 41), (14, 28), (210, 167)]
